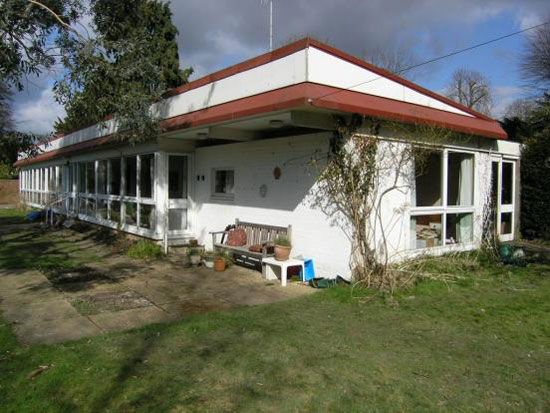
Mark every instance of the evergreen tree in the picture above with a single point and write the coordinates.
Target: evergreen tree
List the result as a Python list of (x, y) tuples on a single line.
[(535, 173), (132, 61)]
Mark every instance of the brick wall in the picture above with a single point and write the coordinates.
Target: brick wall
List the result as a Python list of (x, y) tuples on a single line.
[(9, 191)]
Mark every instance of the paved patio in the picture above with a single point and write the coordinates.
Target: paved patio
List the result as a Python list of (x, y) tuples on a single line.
[(118, 293)]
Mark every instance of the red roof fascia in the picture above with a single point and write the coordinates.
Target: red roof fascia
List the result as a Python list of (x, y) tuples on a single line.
[(299, 96), (355, 102)]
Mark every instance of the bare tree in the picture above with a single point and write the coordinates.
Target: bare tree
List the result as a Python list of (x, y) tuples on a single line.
[(470, 88), (535, 63), (394, 60), (520, 108)]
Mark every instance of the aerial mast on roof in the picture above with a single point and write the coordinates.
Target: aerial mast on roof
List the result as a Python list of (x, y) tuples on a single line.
[(270, 22)]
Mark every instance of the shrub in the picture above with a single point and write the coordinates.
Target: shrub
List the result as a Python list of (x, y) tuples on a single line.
[(145, 249), (282, 241)]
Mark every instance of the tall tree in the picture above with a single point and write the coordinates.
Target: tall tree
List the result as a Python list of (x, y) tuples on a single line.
[(27, 28), (535, 173), (470, 88), (127, 67), (535, 63)]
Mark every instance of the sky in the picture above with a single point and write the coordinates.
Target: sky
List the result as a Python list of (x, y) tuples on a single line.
[(214, 34)]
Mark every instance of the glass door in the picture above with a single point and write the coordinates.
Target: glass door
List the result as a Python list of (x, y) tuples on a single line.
[(503, 195), (178, 191)]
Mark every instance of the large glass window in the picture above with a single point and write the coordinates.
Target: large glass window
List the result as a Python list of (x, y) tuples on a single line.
[(81, 177), (130, 175), (438, 220), (428, 173), (147, 173), (460, 179)]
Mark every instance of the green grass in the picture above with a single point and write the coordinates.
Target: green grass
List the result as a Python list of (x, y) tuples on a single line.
[(145, 249), (12, 216), (481, 344)]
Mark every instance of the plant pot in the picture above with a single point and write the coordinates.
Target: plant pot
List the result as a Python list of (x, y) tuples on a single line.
[(282, 253), (219, 264), (195, 259)]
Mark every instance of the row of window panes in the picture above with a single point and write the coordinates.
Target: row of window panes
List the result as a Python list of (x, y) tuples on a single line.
[(109, 174)]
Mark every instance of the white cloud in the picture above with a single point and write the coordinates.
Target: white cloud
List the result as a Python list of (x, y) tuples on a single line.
[(38, 115)]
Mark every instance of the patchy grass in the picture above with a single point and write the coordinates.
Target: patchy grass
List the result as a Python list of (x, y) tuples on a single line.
[(145, 249), (12, 216), (481, 343)]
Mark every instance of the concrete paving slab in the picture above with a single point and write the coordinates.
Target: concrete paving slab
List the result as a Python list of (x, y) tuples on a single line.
[(127, 319), (39, 312), (56, 331)]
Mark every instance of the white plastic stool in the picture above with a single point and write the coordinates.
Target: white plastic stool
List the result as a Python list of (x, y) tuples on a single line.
[(269, 263)]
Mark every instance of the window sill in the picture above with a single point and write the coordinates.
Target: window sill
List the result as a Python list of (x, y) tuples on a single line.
[(222, 197)]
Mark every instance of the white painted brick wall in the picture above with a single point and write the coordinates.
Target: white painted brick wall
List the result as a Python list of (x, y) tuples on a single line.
[(288, 199)]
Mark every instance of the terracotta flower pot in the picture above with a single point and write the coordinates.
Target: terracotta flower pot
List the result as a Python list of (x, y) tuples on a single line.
[(219, 264), (282, 253)]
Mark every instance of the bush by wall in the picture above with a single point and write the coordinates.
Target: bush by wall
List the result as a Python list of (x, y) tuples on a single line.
[(535, 175)]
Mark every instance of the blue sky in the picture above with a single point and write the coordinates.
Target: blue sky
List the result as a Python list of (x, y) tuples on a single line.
[(218, 33)]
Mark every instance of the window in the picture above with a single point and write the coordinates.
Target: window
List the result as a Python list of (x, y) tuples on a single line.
[(177, 177), (459, 228), (507, 183), (177, 219), (102, 209), (90, 177), (442, 200), (130, 175), (81, 177), (428, 181), (460, 179), (505, 223), (114, 212), (102, 177), (146, 216), (114, 176), (130, 214), (426, 231), (224, 183), (146, 174)]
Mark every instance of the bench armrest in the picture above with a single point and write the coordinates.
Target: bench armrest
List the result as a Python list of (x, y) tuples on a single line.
[(217, 233)]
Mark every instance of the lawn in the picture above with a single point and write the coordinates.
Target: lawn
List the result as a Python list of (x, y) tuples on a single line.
[(480, 344)]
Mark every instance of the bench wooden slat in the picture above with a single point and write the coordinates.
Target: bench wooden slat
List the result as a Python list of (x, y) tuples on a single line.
[(256, 234)]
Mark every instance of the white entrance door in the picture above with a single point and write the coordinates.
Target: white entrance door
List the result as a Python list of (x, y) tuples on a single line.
[(178, 193), (504, 191)]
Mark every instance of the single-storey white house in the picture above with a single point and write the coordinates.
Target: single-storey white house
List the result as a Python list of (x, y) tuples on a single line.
[(238, 144)]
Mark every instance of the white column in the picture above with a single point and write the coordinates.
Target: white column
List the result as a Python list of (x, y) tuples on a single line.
[(161, 193)]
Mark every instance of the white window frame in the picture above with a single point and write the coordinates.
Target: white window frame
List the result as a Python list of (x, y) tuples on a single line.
[(221, 196), (445, 209)]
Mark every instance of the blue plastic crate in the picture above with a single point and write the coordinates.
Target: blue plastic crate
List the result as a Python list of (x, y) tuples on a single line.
[(309, 271)]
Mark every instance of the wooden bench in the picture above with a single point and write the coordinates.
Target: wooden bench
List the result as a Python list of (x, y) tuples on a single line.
[(256, 234)]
